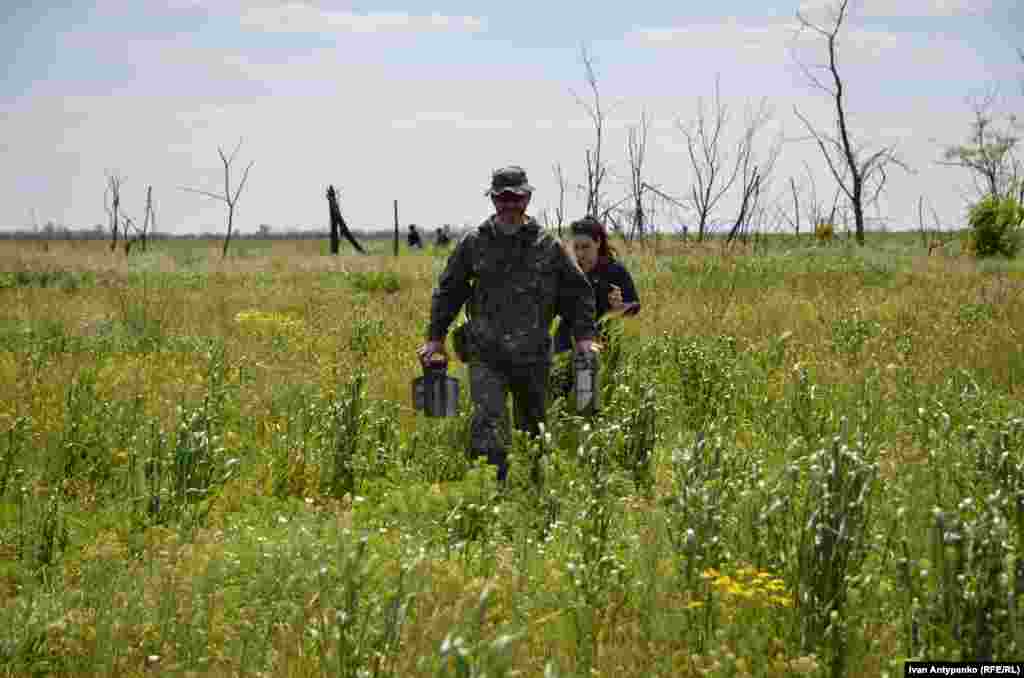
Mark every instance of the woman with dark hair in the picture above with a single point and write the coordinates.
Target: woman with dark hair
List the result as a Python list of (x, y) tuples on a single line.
[(614, 292), (613, 286)]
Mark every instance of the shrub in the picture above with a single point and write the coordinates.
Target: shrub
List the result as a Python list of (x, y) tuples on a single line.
[(996, 227)]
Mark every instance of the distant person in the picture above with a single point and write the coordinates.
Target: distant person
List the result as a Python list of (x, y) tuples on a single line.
[(413, 238), (442, 237), (614, 291)]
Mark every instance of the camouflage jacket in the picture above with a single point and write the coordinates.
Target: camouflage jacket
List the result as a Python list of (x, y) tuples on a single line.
[(513, 286)]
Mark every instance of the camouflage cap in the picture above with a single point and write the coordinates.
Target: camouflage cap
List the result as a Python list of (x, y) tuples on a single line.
[(511, 179)]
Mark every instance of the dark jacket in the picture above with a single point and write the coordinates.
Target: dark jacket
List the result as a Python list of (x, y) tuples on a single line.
[(604, 275), (513, 286)]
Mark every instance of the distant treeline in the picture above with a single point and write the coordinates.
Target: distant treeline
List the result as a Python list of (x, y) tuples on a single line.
[(93, 234)]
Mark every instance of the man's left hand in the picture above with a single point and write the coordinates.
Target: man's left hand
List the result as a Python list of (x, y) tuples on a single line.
[(588, 346)]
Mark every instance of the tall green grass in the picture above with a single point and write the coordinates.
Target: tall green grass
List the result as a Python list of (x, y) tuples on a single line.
[(807, 462)]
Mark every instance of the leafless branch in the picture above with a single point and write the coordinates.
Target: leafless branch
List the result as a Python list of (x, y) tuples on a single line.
[(666, 197), (713, 174), (990, 152), (229, 198), (560, 212), (636, 148), (112, 204), (860, 181), (206, 193), (594, 162)]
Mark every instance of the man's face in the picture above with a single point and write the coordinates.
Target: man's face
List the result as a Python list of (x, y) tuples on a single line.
[(510, 205)]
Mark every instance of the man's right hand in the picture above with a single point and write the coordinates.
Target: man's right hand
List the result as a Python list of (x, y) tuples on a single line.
[(432, 351)]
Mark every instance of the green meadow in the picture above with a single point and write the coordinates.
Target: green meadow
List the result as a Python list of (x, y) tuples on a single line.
[(809, 462)]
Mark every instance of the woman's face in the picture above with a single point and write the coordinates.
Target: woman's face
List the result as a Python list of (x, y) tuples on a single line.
[(585, 249)]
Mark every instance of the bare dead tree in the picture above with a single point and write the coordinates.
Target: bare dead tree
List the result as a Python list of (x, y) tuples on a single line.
[(861, 175), (796, 206), (339, 227), (651, 217), (816, 210), (636, 147), (672, 200), (989, 152), (782, 214), (560, 212), (128, 225), (545, 218), (335, 235), (149, 220), (934, 238), (617, 216), (714, 174), (112, 205), (753, 175), (229, 198), (748, 203), (141, 232), (595, 166), (754, 229), (611, 217), (679, 205), (925, 236), (138, 233)]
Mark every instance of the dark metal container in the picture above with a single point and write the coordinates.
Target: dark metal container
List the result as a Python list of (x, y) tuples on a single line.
[(435, 393), (587, 387)]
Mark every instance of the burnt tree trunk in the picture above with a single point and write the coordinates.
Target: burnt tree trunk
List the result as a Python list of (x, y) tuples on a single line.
[(332, 201), (114, 183), (148, 219), (750, 194), (338, 225)]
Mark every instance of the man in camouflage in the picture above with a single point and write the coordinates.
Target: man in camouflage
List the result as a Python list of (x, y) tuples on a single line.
[(514, 279)]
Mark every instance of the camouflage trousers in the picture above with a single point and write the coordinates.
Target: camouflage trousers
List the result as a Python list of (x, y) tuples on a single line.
[(489, 387)]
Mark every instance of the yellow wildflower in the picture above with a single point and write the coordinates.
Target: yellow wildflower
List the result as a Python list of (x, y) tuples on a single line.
[(806, 664)]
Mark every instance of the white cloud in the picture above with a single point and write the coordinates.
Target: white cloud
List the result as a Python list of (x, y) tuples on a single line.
[(822, 9), (331, 120), (304, 18), (757, 40), (908, 55)]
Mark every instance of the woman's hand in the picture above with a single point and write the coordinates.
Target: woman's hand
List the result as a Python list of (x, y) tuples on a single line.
[(432, 351), (615, 299), (618, 306)]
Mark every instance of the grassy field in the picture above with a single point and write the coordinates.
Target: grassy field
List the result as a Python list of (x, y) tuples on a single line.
[(809, 463)]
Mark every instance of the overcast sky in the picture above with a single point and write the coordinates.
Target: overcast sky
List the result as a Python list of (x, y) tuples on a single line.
[(419, 102)]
